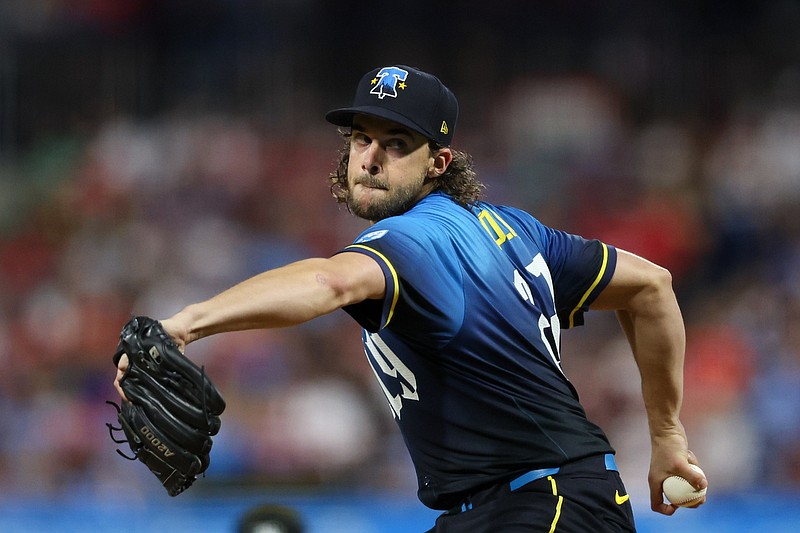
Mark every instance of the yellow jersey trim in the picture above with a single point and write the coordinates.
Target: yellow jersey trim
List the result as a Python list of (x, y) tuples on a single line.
[(395, 279), (594, 284), (559, 503)]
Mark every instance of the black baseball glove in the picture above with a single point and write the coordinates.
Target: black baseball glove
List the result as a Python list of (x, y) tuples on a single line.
[(172, 409)]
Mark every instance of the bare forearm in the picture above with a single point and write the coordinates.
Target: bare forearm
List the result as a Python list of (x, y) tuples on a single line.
[(656, 335), (286, 296), (641, 293)]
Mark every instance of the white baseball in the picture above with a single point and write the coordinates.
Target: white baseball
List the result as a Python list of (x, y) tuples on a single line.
[(680, 492)]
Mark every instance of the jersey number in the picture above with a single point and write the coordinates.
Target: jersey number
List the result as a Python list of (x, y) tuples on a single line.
[(549, 326), (392, 368), (496, 227)]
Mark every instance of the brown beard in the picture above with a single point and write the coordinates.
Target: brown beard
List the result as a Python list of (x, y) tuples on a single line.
[(398, 200)]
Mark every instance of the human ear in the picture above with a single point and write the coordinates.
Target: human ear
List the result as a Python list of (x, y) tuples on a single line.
[(440, 161)]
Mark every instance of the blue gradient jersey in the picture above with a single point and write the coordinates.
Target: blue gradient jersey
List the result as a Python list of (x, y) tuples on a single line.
[(465, 343)]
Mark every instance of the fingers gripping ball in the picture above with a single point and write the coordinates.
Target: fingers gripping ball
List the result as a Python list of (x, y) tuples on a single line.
[(173, 407), (680, 492)]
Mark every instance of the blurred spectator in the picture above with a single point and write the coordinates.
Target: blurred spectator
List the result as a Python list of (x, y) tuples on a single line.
[(152, 189)]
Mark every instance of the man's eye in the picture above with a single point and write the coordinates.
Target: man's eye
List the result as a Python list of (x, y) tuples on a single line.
[(396, 144), (360, 139)]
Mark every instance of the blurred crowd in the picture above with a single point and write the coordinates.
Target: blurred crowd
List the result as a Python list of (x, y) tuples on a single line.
[(148, 213)]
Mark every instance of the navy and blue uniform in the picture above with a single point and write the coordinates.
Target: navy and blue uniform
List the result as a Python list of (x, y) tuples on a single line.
[(465, 343)]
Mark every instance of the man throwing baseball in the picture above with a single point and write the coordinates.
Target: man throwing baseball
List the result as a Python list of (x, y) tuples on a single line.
[(462, 305)]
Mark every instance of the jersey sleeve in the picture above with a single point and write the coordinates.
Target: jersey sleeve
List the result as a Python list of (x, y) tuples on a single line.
[(421, 273), (581, 269), (374, 315)]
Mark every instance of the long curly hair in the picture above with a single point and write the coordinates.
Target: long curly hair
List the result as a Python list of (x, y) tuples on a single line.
[(459, 180)]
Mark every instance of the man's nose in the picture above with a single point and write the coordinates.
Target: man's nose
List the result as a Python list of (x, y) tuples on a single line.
[(372, 159)]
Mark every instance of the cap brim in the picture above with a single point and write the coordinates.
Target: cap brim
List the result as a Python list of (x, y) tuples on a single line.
[(344, 117)]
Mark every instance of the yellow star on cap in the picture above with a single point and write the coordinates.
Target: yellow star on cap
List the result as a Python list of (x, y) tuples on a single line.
[(373, 81), (402, 85)]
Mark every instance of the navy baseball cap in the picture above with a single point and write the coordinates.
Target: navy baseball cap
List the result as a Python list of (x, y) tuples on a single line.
[(405, 95)]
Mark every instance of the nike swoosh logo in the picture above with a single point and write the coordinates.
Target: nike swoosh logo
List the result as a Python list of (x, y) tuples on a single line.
[(620, 499)]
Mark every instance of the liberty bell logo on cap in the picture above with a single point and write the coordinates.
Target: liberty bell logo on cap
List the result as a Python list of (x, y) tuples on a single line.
[(387, 81), (407, 96)]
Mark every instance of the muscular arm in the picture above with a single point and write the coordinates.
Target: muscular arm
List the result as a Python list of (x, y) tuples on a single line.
[(641, 294), (285, 296)]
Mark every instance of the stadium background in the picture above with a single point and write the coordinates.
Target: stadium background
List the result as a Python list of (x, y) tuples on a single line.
[(154, 152)]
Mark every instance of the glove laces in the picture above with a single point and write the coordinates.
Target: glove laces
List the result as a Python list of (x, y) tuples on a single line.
[(112, 428)]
